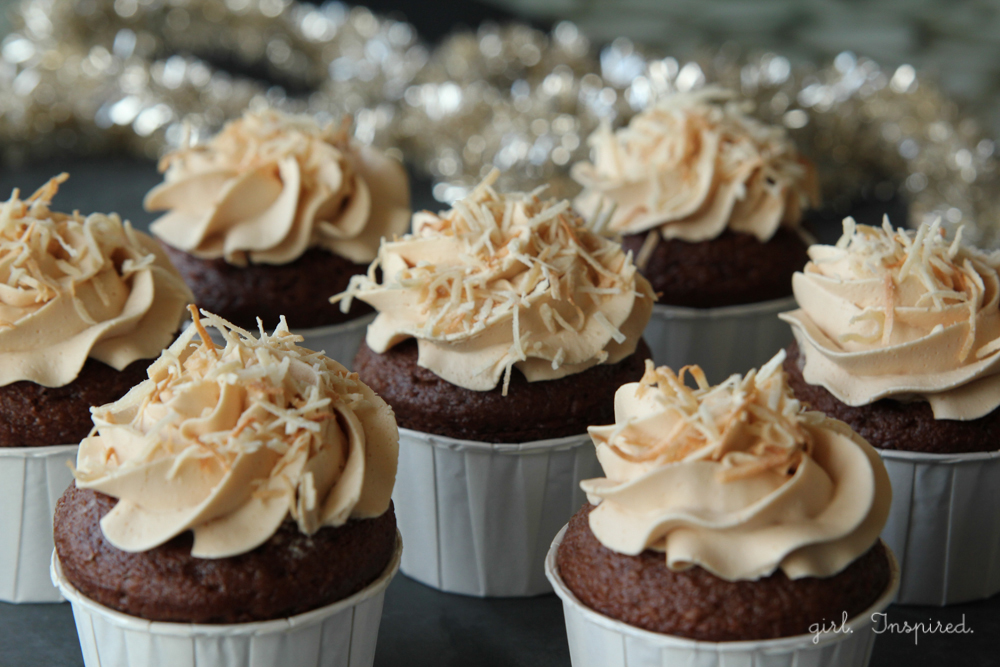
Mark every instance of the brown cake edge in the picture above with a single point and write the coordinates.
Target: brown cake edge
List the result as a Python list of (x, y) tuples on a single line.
[(531, 411), (290, 574), (33, 415), (695, 604), (896, 425)]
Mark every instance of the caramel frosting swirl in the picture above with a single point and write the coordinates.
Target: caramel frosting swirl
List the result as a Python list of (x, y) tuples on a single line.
[(73, 287), (736, 478), (909, 315), (503, 281), (271, 185), (692, 165), (230, 442)]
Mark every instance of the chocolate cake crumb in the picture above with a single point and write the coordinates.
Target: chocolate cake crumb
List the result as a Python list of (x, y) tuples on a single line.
[(694, 603), (299, 290), (290, 574), (32, 415), (892, 424), (531, 411), (732, 269)]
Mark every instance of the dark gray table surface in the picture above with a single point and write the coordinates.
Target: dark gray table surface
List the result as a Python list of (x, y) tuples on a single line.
[(421, 626)]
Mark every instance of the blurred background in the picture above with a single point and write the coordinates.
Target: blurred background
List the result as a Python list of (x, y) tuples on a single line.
[(957, 41), (896, 100)]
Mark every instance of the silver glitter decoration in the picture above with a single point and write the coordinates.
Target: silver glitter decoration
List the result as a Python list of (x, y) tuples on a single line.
[(102, 75), (124, 75), (872, 131)]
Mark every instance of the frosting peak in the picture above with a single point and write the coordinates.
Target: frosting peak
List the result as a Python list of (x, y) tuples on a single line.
[(692, 165), (229, 442), (503, 281), (73, 286), (736, 478), (270, 185), (895, 313)]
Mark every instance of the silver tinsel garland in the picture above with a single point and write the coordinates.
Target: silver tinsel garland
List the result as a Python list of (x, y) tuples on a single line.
[(124, 75)]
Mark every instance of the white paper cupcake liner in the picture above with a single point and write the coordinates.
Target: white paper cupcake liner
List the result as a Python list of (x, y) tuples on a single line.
[(343, 633), (723, 341), (596, 640), (31, 481), (478, 517), (944, 525), (340, 342)]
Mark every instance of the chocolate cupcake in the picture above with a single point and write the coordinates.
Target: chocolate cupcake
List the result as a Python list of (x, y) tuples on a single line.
[(237, 485), (525, 322), (86, 303), (274, 215), (727, 514), (898, 334), (710, 201)]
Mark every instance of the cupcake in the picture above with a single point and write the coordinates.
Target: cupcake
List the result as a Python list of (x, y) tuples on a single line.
[(274, 215), (86, 303), (246, 485), (897, 334), (710, 201), (504, 326), (731, 524)]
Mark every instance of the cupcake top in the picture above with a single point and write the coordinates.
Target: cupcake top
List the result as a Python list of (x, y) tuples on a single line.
[(693, 165), (901, 314), (502, 281), (230, 442), (74, 286), (270, 185), (736, 478)]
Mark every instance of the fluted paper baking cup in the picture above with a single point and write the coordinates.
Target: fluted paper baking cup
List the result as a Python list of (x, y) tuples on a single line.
[(343, 633), (944, 525), (340, 342), (596, 640), (31, 481), (723, 341), (478, 517)]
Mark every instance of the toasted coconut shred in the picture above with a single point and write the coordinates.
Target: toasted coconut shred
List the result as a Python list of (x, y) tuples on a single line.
[(751, 424), (270, 185), (737, 478), (497, 259), (693, 164), (948, 274), (300, 431), (262, 138), (283, 411), (75, 286), (44, 253)]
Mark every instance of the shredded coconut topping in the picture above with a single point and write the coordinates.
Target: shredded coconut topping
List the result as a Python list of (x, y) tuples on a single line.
[(948, 273), (751, 424), (270, 185), (283, 410), (506, 256), (737, 478), (74, 287), (262, 138), (257, 429), (44, 254), (693, 163)]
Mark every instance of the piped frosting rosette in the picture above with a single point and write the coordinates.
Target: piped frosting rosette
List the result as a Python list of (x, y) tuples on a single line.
[(735, 478), (503, 281), (73, 287), (230, 442), (271, 185), (891, 313), (692, 165)]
